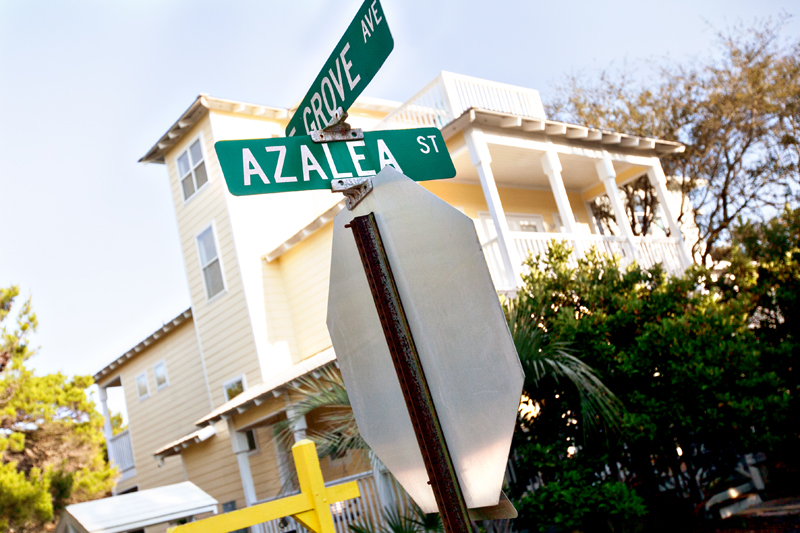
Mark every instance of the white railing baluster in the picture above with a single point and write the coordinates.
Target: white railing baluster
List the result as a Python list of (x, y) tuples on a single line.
[(651, 250), (122, 450), (367, 507), (449, 95)]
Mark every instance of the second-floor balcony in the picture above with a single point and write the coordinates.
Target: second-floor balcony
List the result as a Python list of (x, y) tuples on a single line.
[(120, 452), (506, 151), (646, 251)]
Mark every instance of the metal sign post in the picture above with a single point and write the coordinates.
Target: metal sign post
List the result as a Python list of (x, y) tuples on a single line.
[(416, 393)]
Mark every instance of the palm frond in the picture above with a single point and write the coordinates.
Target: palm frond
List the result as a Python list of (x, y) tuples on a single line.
[(327, 397), (427, 523), (543, 358)]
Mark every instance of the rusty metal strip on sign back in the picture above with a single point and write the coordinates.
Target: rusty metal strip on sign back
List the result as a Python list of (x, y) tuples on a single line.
[(430, 437)]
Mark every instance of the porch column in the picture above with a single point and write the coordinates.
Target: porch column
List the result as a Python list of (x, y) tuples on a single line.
[(107, 429), (659, 181), (605, 169), (479, 155), (552, 167), (300, 427), (240, 450)]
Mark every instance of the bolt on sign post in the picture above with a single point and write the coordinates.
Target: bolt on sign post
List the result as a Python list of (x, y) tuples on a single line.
[(312, 507), (355, 60), (432, 300), (282, 164)]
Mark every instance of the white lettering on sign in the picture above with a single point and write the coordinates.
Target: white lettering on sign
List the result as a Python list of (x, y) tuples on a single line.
[(311, 127), (330, 106), (385, 157), (347, 66), (336, 174), (330, 87), (279, 167), (251, 167), (337, 82), (371, 19), (425, 148), (310, 163), (378, 18), (316, 105), (357, 158)]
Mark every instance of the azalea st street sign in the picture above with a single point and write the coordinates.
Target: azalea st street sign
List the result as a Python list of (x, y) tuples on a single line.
[(282, 164), (355, 60)]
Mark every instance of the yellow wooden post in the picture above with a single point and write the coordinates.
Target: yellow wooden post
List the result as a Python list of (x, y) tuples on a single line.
[(311, 507)]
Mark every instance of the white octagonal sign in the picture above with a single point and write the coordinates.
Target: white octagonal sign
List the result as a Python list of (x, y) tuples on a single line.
[(464, 345)]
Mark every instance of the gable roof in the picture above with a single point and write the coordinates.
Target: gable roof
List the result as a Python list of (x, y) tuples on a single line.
[(196, 111), (163, 330)]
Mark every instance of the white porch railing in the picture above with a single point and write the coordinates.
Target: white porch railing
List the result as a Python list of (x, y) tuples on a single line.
[(449, 95), (367, 508), (121, 451), (647, 251)]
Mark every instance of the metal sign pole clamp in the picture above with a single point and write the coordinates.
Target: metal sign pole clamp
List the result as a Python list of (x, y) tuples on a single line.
[(337, 130)]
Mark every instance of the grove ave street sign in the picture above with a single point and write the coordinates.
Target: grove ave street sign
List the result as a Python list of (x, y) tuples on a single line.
[(458, 327), (281, 164), (355, 60)]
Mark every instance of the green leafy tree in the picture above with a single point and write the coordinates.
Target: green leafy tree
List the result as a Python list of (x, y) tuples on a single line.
[(764, 271), (564, 403), (51, 439), (698, 386), (737, 112)]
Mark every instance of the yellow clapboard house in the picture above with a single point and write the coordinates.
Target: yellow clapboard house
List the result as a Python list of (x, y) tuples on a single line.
[(204, 391)]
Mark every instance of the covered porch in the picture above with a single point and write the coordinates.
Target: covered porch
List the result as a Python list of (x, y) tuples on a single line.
[(538, 177)]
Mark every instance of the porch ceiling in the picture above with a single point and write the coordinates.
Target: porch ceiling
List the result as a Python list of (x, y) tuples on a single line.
[(521, 167)]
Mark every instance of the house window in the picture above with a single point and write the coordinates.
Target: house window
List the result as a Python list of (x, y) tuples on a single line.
[(516, 222), (209, 262), (160, 371), (227, 507), (192, 170), (252, 445), (234, 388), (141, 386)]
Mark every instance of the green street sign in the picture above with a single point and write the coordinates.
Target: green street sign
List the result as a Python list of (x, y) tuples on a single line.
[(356, 59), (283, 164)]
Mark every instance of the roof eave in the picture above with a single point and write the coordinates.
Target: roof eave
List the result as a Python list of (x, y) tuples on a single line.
[(163, 330), (202, 104), (564, 132)]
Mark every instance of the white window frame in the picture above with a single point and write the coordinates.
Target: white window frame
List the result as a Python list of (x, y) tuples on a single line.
[(166, 375), (255, 440), (485, 217), (240, 377), (197, 190), (224, 290), (146, 384)]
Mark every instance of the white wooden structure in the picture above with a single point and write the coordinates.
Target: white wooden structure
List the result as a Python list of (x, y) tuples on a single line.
[(137, 510), (508, 142)]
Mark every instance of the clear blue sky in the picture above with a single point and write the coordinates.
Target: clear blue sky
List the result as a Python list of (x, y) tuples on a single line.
[(86, 87)]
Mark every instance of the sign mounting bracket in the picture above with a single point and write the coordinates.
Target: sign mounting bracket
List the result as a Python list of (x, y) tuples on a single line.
[(354, 189), (337, 130)]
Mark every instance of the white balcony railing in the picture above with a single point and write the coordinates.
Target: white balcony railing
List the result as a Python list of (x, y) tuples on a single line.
[(120, 451), (647, 251), (449, 95), (367, 508)]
